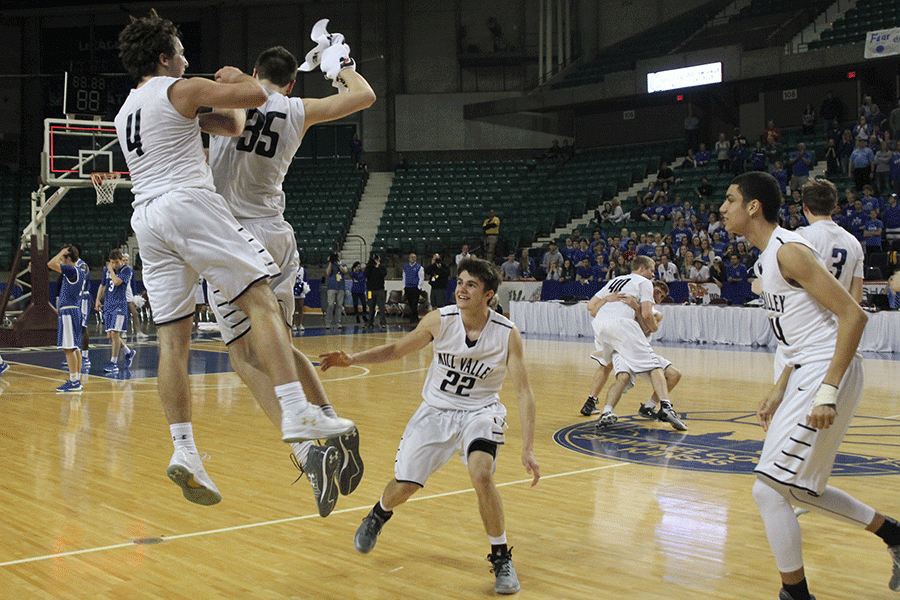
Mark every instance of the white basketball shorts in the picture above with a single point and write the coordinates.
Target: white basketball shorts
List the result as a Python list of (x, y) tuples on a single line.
[(795, 454), (434, 435), (619, 366), (277, 236), (625, 337), (189, 233)]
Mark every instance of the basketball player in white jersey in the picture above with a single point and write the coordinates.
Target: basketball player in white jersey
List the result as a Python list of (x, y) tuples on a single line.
[(248, 171), (461, 413), (159, 129), (841, 251), (617, 330), (807, 413)]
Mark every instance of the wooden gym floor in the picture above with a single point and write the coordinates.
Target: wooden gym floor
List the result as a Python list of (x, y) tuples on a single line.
[(639, 511)]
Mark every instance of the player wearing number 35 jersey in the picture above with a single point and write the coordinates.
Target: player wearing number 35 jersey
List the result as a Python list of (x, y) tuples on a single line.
[(818, 384), (461, 414)]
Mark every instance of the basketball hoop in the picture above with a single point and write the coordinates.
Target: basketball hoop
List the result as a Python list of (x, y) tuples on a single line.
[(105, 184)]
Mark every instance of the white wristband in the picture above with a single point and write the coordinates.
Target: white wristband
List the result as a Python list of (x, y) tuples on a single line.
[(827, 394)]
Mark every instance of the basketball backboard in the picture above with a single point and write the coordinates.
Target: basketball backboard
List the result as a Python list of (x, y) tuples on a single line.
[(73, 149)]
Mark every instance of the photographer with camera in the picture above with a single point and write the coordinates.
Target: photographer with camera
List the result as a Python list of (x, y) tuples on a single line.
[(375, 273), (413, 286), (336, 288), (438, 275)]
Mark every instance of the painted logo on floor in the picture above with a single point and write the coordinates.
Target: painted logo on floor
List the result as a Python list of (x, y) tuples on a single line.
[(724, 442)]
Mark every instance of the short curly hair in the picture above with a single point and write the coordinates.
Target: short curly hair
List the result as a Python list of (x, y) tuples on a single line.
[(141, 43)]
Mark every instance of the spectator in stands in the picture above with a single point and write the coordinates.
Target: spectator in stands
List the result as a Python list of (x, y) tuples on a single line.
[(641, 211), (600, 271), (567, 152), (526, 265), (567, 272), (893, 289), (738, 156), (832, 160), (464, 253), (746, 255), (862, 130), (835, 132), (438, 275), (699, 272), (894, 121), (552, 254), (704, 189), (666, 270), (356, 150), (601, 255), (584, 272), (772, 132), (691, 129), (717, 272), (582, 253), (568, 250), (862, 163), (780, 175), (375, 273), (865, 107), (832, 109), (665, 174), (707, 254), (872, 233), (491, 230), (690, 161), (800, 163), (870, 200), (891, 220), (660, 209), (402, 164), (774, 151), (680, 231), (621, 267), (717, 244), (845, 150), (554, 271), (703, 156), (808, 120), (736, 271), (576, 237), (554, 151), (723, 153), (358, 291), (413, 286), (646, 247), (617, 214), (510, 269), (883, 168), (739, 137), (758, 159), (855, 221), (684, 261), (630, 250), (876, 118)]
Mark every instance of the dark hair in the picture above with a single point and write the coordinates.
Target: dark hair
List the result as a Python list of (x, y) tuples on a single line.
[(72, 252), (277, 65), (333, 257), (143, 40), (115, 254), (762, 187), (820, 196), (356, 264), (482, 270)]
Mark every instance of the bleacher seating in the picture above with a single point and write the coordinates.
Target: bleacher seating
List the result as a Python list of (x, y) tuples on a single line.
[(867, 15)]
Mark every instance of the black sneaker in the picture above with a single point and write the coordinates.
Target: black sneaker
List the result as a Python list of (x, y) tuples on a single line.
[(322, 464), (606, 419), (667, 413), (647, 413), (367, 534), (507, 582), (590, 407), (351, 464), (786, 595)]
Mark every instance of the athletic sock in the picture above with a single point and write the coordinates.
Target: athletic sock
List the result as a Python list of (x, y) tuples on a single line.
[(291, 397), (329, 411), (382, 512), (798, 591), (301, 451), (183, 437), (498, 544), (607, 409), (650, 404), (889, 532)]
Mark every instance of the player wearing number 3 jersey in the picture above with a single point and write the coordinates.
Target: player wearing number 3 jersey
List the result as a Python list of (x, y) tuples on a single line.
[(818, 384), (474, 348)]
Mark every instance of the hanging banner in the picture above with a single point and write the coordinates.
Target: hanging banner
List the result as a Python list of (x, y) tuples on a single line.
[(884, 42)]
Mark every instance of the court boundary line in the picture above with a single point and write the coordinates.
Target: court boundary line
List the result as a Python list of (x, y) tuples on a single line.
[(179, 536)]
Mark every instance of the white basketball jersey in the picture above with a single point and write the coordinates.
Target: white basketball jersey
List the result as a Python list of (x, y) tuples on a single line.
[(634, 285), (464, 375), (806, 330), (840, 251), (163, 149), (249, 170)]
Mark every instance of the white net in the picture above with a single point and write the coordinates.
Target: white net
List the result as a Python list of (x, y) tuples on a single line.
[(105, 184)]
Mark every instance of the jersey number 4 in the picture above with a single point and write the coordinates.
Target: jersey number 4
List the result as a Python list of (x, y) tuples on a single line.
[(258, 136), (462, 383)]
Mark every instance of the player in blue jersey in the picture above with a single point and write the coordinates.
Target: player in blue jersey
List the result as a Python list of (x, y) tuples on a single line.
[(86, 305), (113, 301), (68, 336)]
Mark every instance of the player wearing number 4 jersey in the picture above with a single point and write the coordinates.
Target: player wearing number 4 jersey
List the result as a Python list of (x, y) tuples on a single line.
[(185, 230), (807, 413), (249, 171), (461, 413)]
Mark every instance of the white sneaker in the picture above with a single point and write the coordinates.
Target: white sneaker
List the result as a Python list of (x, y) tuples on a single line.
[(186, 470), (312, 424)]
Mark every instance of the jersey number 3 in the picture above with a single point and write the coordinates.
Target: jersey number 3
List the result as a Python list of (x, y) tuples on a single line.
[(258, 136)]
